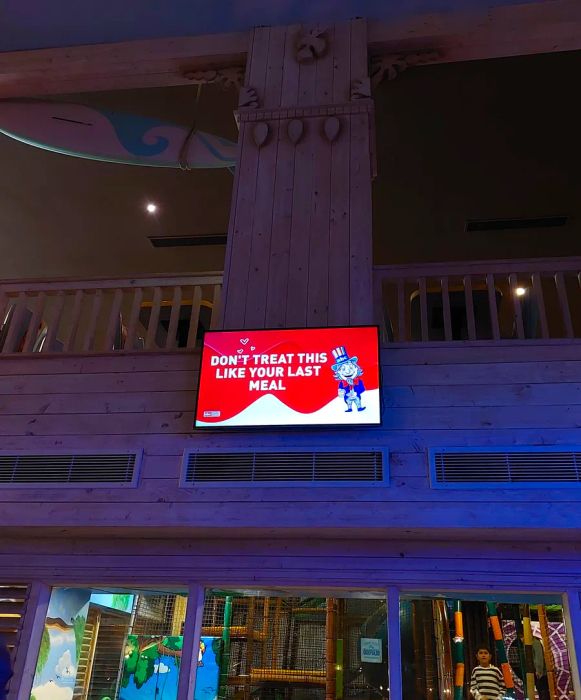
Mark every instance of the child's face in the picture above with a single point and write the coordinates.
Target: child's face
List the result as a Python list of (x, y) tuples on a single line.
[(484, 657)]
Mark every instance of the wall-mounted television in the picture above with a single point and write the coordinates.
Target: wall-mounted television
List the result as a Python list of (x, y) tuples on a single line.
[(289, 377)]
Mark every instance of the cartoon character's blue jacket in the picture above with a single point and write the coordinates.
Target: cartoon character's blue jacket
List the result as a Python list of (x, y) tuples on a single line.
[(357, 386)]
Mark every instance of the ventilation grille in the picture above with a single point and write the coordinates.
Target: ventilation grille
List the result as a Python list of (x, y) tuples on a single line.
[(290, 467), (68, 469), (515, 224), (519, 467), (187, 241)]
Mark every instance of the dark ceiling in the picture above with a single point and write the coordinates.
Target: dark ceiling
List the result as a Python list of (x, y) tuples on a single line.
[(29, 24)]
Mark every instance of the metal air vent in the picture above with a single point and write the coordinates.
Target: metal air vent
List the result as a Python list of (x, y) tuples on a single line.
[(321, 467), (481, 468), (98, 469)]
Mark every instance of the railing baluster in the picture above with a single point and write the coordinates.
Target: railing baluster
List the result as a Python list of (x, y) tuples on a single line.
[(74, 324), (216, 306), (446, 309), (54, 323), (494, 326), (133, 318), (35, 321), (174, 318), (540, 300), (401, 311), (152, 326), (113, 323), (15, 324), (92, 325), (513, 283), (423, 310), (470, 321), (194, 317), (564, 304), (3, 307)]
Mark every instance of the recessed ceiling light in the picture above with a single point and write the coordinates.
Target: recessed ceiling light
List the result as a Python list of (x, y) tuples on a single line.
[(151, 208), (520, 291)]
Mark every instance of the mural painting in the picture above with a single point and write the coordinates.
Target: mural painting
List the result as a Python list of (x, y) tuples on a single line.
[(152, 665), (56, 668)]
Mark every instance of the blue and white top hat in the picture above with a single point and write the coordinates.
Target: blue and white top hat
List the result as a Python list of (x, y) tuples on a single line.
[(341, 356)]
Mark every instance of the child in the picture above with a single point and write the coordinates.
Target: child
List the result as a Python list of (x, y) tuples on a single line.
[(487, 682)]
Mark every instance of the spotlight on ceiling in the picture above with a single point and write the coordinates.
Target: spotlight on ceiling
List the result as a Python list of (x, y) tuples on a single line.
[(151, 208)]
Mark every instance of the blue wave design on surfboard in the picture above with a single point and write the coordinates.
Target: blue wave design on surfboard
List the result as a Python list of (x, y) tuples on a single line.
[(131, 129)]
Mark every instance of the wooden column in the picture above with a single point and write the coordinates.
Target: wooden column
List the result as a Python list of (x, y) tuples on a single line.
[(29, 641), (572, 610), (299, 249), (191, 643), (394, 643)]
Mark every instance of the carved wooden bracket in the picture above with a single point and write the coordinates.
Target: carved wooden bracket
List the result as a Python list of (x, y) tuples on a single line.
[(295, 130), (260, 133), (248, 97), (310, 46), (391, 66), (331, 128), (231, 76), (361, 89)]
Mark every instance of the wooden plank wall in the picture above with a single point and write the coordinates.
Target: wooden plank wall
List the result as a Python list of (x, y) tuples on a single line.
[(478, 396), (362, 563)]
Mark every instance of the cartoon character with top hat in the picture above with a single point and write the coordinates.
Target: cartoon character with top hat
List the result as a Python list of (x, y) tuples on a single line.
[(347, 373)]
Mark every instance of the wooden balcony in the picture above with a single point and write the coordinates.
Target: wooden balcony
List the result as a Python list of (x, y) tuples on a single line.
[(108, 315), (500, 301)]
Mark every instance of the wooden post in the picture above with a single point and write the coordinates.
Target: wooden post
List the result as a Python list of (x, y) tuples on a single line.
[(394, 644), (29, 641), (299, 244), (331, 649), (191, 643), (572, 609)]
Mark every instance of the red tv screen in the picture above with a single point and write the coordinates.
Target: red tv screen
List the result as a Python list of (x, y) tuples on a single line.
[(289, 377)]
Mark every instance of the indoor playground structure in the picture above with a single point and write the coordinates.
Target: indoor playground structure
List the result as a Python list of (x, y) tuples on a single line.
[(127, 645), (440, 638), (289, 648)]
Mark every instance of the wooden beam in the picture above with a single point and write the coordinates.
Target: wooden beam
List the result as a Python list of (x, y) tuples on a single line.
[(132, 64), (496, 32)]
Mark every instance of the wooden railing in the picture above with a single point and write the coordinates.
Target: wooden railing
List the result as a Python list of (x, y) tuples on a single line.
[(505, 300), (108, 315)]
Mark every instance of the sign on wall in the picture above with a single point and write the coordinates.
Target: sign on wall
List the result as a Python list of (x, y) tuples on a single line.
[(289, 377), (371, 651)]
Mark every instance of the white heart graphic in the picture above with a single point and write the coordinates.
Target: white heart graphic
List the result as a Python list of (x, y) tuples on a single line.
[(252, 347), (240, 351), (244, 341)]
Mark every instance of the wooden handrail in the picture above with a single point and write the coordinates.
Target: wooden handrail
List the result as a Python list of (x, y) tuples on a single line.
[(67, 283), (482, 267)]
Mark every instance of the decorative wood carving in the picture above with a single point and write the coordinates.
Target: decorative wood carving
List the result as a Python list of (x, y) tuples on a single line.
[(391, 66), (259, 114), (310, 46), (260, 133), (331, 128), (295, 130), (361, 89), (232, 76), (248, 97)]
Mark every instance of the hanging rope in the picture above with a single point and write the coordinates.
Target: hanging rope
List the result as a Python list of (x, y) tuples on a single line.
[(183, 157)]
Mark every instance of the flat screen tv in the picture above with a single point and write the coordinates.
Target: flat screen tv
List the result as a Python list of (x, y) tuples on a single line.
[(289, 378)]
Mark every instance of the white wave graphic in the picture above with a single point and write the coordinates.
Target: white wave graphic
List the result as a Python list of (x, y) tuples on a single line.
[(269, 410)]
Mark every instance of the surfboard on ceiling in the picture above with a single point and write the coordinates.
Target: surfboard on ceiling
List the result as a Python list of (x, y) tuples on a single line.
[(114, 137)]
